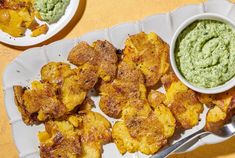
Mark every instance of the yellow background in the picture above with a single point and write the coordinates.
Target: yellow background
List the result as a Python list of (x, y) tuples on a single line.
[(98, 14)]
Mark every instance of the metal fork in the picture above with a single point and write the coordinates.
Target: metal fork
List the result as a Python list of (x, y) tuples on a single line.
[(226, 131)]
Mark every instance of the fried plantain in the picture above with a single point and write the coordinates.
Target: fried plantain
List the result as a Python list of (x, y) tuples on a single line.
[(61, 91), (80, 136), (150, 54), (28, 118), (16, 16), (182, 101), (107, 60), (114, 95), (155, 98), (71, 92), (136, 131), (102, 56), (60, 139), (221, 108), (88, 76), (83, 53), (56, 72), (42, 100)]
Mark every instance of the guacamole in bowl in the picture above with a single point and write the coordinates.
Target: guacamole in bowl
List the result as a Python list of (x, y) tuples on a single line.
[(205, 53), (202, 53), (51, 10)]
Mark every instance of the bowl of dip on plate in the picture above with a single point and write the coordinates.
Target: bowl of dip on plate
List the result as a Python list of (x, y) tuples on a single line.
[(202, 53)]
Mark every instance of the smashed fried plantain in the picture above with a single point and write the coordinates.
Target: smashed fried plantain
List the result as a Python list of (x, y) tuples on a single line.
[(114, 95), (56, 72), (61, 91), (221, 108), (182, 101), (136, 131), (38, 103), (80, 136), (149, 53), (60, 139), (102, 56), (16, 16), (107, 60)]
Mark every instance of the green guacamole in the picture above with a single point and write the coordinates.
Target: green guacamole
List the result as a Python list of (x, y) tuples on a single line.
[(205, 53), (51, 10)]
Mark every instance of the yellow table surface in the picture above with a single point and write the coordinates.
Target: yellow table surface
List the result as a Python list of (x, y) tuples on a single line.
[(98, 14)]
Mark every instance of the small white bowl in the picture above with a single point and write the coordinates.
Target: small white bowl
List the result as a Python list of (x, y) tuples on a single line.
[(210, 16)]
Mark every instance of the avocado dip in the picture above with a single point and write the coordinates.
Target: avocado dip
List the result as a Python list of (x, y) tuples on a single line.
[(205, 53), (51, 10)]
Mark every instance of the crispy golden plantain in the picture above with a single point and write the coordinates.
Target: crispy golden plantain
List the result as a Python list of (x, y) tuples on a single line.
[(138, 133), (39, 30), (155, 98), (215, 118), (71, 92), (56, 72), (182, 101), (87, 104), (18, 15), (60, 139), (42, 100), (83, 53), (102, 56), (128, 85), (107, 60), (88, 76), (28, 118), (115, 95), (128, 73), (150, 54), (221, 108), (61, 91), (80, 136), (95, 128)]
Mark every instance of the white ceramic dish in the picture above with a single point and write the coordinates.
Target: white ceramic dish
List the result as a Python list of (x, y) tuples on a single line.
[(27, 40), (211, 16), (26, 67)]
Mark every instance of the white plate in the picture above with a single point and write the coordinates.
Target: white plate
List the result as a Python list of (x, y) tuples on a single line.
[(26, 67), (27, 40)]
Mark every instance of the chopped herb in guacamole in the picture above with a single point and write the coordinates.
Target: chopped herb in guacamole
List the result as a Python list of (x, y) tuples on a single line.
[(205, 53)]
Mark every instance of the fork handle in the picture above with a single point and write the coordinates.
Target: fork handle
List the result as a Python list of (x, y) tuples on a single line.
[(179, 144)]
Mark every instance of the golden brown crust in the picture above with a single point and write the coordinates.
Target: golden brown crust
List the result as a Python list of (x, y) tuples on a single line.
[(87, 104), (81, 135), (88, 76), (115, 95), (15, 5), (155, 98), (168, 79), (150, 54), (107, 58), (96, 128), (28, 118), (56, 72), (42, 99), (128, 73), (60, 140), (62, 146), (215, 119), (82, 53), (61, 91), (221, 108), (128, 84), (102, 56), (135, 131), (182, 101)]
